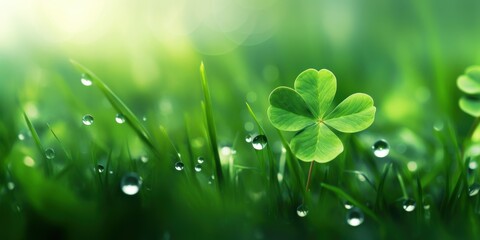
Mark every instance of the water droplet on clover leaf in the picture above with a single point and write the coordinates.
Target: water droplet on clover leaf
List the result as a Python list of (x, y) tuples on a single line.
[(355, 217), (259, 142), (87, 120), (381, 148), (131, 183), (200, 160)]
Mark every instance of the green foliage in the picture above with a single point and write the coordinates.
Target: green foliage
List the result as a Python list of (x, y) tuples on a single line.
[(469, 83), (306, 109)]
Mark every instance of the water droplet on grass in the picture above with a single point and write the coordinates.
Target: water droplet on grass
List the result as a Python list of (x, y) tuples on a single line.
[(86, 81), (144, 159), (50, 153), (259, 142), (409, 205), (412, 166), (200, 160), (119, 118), (179, 166), (348, 205), (355, 217), (21, 136), (302, 211), (131, 183), (249, 138), (87, 120), (28, 161), (10, 186), (381, 148), (473, 189), (472, 165), (100, 168), (438, 125), (198, 167)]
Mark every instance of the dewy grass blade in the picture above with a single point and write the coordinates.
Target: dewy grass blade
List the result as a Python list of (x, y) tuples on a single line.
[(67, 153), (38, 143), (118, 104), (343, 195), (379, 198), (293, 165), (212, 134), (273, 180)]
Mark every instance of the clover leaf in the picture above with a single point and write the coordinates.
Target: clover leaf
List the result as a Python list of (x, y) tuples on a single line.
[(305, 110), (469, 83)]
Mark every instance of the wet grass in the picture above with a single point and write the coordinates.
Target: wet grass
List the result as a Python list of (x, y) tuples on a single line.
[(240, 191)]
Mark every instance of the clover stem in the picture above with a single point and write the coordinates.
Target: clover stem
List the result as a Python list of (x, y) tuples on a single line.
[(309, 176)]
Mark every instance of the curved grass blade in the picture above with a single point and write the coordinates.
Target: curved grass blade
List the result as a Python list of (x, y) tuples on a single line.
[(341, 194), (118, 104), (38, 143), (381, 184), (273, 182), (212, 134)]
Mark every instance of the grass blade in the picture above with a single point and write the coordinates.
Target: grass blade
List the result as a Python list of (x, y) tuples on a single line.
[(119, 106), (212, 134), (343, 195), (38, 143), (379, 199)]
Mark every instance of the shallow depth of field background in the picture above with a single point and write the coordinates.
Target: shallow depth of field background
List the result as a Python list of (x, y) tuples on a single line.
[(405, 54)]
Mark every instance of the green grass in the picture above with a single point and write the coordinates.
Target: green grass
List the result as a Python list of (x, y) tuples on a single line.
[(68, 197)]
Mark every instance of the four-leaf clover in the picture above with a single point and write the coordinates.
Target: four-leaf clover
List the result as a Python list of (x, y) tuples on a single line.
[(469, 83), (306, 109)]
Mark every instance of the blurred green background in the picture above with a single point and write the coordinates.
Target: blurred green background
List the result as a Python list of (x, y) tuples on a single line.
[(405, 54)]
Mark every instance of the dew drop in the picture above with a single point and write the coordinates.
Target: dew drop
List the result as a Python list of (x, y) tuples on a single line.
[(21, 136), (87, 120), (259, 142), (110, 172), (212, 178), (10, 186), (412, 166), (119, 118), (472, 165), (50, 153), (198, 167), (86, 81), (381, 148), (100, 168), (473, 189), (249, 138), (355, 217), (179, 166), (348, 205), (144, 159), (302, 211), (200, 160), (131, 183), (409, 205), (438, 125)]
